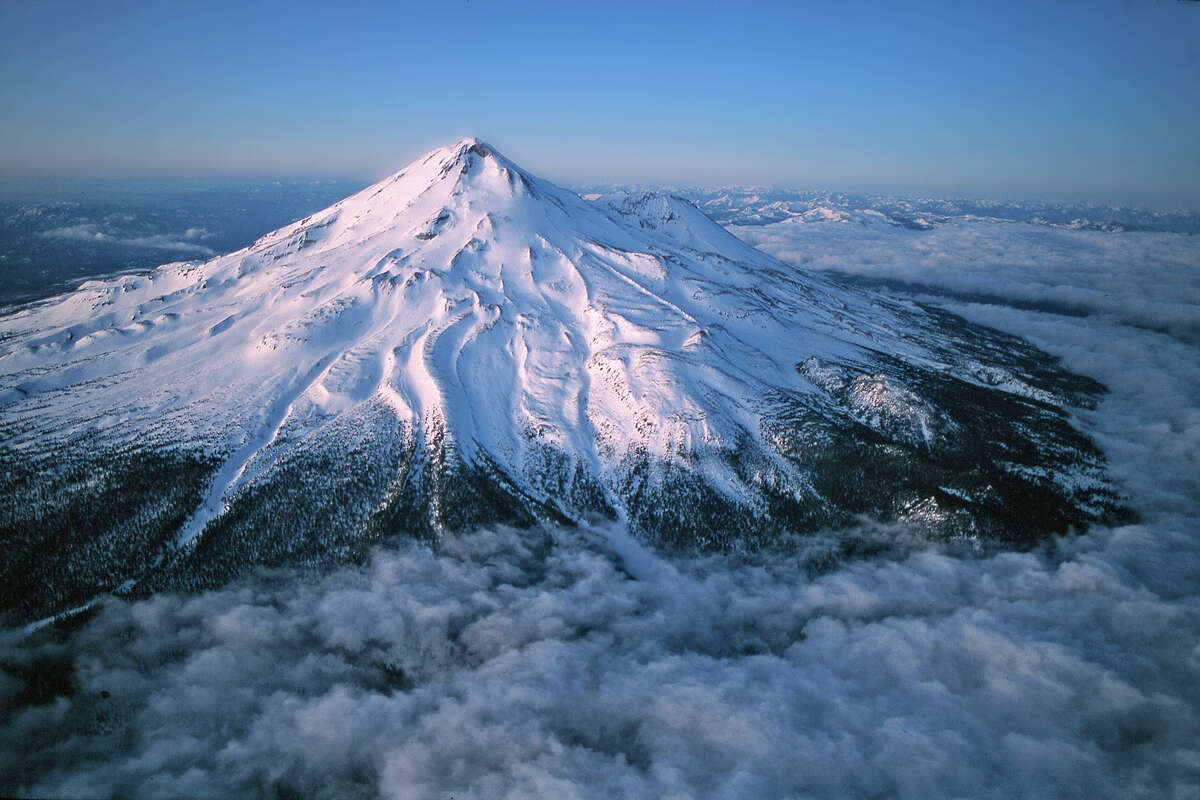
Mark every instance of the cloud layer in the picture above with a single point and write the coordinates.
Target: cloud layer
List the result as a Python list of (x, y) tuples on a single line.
[(1134, 278), (539, 666), (576, 663), (185, 242)]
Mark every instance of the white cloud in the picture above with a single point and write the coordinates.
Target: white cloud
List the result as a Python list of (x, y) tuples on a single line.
[(163, 241), (1144, 279), (91, 232), (539, 667), (83, 232)]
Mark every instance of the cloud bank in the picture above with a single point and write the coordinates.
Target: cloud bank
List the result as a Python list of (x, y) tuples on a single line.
[(107, 234), (576, 663), (1134, 278)]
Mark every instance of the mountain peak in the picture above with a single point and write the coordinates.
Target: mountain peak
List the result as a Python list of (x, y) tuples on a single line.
[(475, 153), (473, 144), (472, 152), (470, 159)]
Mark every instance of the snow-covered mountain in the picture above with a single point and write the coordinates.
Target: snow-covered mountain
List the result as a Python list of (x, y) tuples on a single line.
[(463, 343)]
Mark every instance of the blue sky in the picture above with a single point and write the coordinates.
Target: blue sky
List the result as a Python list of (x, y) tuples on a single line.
[(1095, 99)]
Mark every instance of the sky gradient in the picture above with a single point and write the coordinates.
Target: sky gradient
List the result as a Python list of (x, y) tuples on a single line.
[(1095, 100)]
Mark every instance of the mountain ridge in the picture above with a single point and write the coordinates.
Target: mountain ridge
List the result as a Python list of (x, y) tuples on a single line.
[(463, 343)]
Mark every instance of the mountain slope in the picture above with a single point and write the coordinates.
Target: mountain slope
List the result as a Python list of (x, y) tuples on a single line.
[(464, 343)]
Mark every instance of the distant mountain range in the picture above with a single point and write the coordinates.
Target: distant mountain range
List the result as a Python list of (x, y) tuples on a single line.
[(762, 205)]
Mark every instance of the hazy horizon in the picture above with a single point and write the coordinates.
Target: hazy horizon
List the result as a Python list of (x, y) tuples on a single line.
[(1075, 101), (51, 188)]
